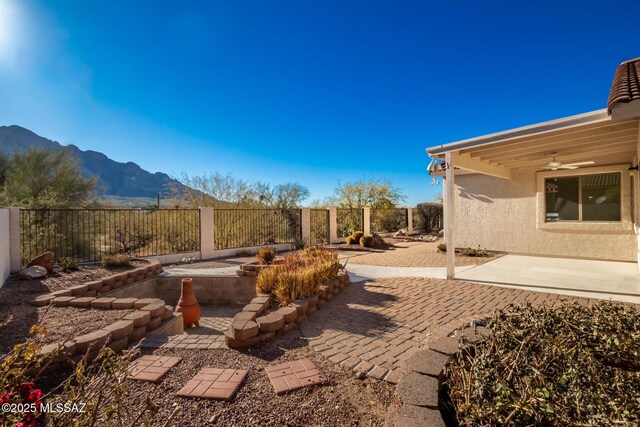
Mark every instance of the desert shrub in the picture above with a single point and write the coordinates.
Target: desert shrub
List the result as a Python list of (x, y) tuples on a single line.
[(442, 247), (567, 366), (475, 252), (428, 216), (115, 261), (267, 280), (67, 265), (350, 240), (357, 235), (131, 237), (267, 255), (243, 253), (299, 276), (299, 243), (367, 241)]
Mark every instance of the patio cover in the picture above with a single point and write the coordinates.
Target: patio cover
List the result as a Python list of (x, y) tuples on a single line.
[(584, 137)]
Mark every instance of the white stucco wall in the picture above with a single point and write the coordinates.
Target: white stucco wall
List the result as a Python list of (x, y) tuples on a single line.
[(504, 215), (5, 248)]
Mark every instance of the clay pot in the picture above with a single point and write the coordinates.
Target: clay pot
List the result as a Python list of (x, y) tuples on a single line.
[(188, 305)]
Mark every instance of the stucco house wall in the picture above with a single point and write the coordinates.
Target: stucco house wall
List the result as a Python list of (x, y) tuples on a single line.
[(508, 215)]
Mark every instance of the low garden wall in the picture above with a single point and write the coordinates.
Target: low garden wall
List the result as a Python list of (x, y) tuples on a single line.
[(151, 314), (252, 326)]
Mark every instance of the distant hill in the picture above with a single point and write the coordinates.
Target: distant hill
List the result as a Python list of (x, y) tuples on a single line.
[(114, 178)]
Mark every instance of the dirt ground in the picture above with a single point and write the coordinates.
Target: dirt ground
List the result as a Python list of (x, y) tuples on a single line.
[(343, 400), (61, 323)]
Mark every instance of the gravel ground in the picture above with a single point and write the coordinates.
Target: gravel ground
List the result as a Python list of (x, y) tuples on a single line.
[(342, 401), (60, 323), (19, 291)]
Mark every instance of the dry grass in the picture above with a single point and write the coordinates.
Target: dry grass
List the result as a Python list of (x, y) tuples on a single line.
[(299, 276)]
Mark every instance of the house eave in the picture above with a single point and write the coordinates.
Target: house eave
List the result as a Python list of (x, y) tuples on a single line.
[(592, 117)]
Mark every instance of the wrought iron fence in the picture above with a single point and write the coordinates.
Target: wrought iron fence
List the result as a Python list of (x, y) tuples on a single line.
[(428, 217), (319, 227), (349, 220), (388, 220), (237, 228), (89, 234)]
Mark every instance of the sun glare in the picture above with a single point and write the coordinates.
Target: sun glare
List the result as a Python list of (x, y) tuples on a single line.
[(8, 32)]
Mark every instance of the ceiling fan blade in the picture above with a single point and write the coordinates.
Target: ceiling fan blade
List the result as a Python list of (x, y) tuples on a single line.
[(590, 162), (570, 166)]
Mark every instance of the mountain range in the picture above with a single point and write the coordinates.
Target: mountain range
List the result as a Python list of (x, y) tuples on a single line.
[(115, 179)]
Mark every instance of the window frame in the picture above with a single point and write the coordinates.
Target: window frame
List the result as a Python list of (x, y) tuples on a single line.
[(624, 226), (580, 204)]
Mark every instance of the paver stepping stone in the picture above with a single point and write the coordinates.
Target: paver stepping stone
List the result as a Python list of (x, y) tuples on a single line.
[(152, 368), (214, 383), (293, 375)]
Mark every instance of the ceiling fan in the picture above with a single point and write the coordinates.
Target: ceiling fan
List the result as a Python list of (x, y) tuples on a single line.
[(554, 165)]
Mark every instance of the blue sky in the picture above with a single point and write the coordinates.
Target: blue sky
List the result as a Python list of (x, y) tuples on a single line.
[(309, 91)]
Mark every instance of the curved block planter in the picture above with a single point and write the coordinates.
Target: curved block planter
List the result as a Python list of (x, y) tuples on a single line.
[(152, 314), (102, 286), (254, 326)]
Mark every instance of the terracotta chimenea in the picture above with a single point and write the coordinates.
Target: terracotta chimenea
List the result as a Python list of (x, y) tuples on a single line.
[(188, 304)]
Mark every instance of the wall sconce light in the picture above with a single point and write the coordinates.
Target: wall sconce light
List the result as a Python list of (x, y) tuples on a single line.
[(632, 170)]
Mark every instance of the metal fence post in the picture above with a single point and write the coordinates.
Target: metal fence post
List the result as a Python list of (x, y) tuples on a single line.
[(14, 239), (207, 244), (409, 220)]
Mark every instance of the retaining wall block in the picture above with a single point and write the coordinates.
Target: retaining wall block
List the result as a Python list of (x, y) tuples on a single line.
[(92, 341), (288, 313), (81, 302), (94, 285), (104, 302), (138, 333), (154, 322), (140, 318), (123, 303), (120, 329), (244, 329), (62, 301), (79, 290), (271, 322)]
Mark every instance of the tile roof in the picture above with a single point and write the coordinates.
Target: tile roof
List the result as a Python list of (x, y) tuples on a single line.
[(626, 83)]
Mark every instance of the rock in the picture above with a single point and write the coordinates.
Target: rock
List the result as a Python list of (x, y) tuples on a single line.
[(417, 389), (400, 233), (44, 260), (33, 272), (377, 239), (427, 362)]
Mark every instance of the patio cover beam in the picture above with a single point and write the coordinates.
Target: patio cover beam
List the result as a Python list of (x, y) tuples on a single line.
[(466, 162)]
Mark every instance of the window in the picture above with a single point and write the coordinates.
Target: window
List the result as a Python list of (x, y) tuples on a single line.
[(583, 198)]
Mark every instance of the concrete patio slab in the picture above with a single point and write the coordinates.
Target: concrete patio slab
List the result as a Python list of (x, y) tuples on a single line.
[(577, 277)]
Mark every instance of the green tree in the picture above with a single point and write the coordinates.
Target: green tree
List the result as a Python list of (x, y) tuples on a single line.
[(45, 179), (377, 194), (4, 166), (282, 196)]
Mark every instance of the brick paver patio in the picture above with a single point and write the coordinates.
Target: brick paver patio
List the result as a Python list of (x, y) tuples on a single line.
[(209, 335), (152, 368), (409, 254), (214, 383), (375, 326), (293, 375)]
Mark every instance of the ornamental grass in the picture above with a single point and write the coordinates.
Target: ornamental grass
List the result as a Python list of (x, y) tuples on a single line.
[(567, 366), (300, 275)]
